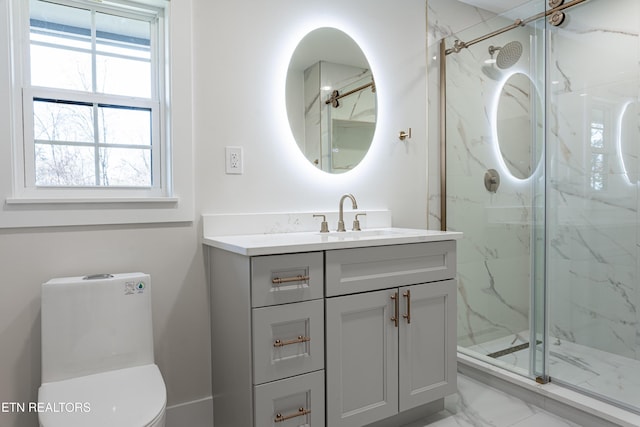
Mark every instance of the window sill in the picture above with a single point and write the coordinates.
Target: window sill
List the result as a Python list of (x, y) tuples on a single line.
[(25, 212), (84, 201)]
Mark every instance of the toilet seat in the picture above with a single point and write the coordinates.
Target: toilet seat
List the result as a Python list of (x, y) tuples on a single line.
[(131, 397)]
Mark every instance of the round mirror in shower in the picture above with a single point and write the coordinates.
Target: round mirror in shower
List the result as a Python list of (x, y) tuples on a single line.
[(519, 125), (331, 100), (629, 136)]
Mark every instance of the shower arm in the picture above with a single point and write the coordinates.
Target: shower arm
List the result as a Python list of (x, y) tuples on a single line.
[(458, 45)]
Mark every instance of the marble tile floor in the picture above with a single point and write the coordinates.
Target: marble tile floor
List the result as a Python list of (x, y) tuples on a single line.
[(593, 370), (478, 405)]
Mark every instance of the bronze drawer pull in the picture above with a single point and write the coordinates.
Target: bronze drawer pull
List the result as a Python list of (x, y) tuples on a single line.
[(300, 339), (301, 411), (298, 278)]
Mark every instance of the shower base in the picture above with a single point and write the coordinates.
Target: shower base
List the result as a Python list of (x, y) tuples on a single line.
[(590, 369)]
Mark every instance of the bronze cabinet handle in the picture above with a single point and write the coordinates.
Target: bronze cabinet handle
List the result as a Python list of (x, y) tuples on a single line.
[(407, 295), (279, 343), (301, 411), (298, 278), (396, 304)]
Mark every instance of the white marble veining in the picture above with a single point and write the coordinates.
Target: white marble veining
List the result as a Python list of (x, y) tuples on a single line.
[(280, 243)]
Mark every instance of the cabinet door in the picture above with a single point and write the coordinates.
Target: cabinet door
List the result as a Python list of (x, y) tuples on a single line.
[(427, 343), (361, 358)]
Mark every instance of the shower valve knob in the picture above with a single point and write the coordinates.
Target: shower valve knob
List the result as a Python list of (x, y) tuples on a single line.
[(491, 180)]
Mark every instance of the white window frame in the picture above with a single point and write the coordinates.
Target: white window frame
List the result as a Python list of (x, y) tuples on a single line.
[(172, 200), (25, 169), (605, 151)]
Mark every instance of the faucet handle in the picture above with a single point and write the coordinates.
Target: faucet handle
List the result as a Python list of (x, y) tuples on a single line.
[(356, 222), (324, 226)]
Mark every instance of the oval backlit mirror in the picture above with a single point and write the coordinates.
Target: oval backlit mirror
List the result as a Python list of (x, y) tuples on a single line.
[(519, 126), (331, 100)]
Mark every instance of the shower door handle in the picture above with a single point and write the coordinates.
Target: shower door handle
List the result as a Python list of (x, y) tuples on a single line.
[(407, 295)]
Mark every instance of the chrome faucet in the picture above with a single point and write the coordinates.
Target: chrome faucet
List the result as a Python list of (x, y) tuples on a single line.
[(341, 215)]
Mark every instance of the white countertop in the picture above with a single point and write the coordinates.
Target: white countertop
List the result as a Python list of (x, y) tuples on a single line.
[(280, 243)]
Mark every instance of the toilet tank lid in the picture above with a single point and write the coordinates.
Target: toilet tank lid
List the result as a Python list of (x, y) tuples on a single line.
[(87, 279), (132, 396)]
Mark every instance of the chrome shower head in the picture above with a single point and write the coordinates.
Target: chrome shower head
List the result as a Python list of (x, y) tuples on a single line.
[(508, 54)]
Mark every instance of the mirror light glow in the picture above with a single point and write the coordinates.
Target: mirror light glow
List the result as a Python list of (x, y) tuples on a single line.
[(503, 168)]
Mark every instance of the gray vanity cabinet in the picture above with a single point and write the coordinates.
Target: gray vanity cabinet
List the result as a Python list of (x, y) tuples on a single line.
[(337, 338), (267, 348), (392, 350)]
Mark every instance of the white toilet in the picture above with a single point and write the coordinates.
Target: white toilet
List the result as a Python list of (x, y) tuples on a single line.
[(98, 367)]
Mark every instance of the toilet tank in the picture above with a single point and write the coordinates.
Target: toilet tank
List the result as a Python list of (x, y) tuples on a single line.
[(94, 324)]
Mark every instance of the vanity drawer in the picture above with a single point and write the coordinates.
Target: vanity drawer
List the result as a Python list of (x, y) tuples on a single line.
[(365, 269), (280, 279), (297, 401), (287, 340)]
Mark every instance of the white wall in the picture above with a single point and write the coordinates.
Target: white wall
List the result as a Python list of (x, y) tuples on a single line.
[(169, 252), (240, 101), (241, 51)]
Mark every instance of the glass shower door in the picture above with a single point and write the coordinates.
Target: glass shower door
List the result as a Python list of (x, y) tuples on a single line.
[(592, 205), (542, 175), (495, 189)]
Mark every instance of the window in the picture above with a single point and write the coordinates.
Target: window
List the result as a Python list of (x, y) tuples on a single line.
[(94, 137), (93, 100), (597, 142)]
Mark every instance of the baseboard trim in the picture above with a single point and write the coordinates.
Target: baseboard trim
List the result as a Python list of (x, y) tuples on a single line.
[(196, 413)]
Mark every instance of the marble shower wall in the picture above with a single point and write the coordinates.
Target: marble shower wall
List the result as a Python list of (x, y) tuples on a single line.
[(445, 18), (592, 189)]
